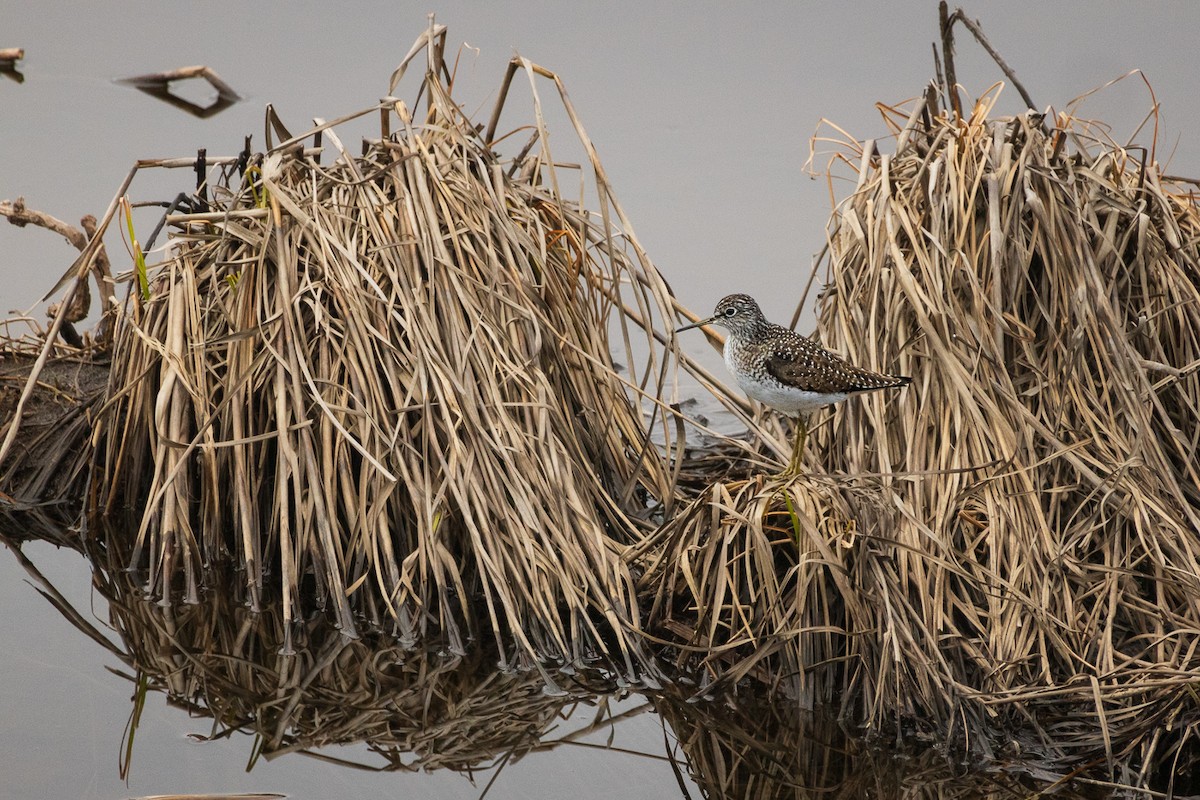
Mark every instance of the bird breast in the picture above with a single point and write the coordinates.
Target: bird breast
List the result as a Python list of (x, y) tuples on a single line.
[(764, 388)]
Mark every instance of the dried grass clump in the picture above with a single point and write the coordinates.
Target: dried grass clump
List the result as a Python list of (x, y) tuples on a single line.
[(1028, 511), (1043, 285), (48, 464), (743, 580), (388, 383)]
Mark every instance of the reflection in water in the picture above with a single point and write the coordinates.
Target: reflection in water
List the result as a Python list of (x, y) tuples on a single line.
[(751, 745), (417, 708), (164, 86), (9, 56), (426, 709)]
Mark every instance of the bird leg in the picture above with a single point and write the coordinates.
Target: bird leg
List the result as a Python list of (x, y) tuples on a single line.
[(793, 467)]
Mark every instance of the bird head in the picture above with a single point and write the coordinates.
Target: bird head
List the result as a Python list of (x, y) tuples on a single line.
[(737, 313)]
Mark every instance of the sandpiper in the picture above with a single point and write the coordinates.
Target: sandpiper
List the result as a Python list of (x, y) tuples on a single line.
[(783, 370)]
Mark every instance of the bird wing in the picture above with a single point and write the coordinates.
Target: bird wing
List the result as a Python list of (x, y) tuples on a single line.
[(806, 366)]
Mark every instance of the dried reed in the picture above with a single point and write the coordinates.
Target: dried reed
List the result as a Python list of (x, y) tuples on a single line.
[(1022, 525), (389, 380), (1044, 282), (49, 463)]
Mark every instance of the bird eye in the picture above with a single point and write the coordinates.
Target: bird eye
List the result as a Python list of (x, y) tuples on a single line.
[(729, 312)]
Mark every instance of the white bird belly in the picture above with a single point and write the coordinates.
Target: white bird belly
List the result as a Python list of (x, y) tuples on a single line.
[(785, 399)]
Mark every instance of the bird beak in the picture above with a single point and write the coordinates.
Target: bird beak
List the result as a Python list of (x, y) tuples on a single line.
[(708, 321)]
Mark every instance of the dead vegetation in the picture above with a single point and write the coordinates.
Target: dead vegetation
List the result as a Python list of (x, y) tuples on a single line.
[(1045, 282), (389, 380), (1011, 546), (385, 388)]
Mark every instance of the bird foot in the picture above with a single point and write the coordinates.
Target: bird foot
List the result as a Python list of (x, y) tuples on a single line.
[(791, 471)]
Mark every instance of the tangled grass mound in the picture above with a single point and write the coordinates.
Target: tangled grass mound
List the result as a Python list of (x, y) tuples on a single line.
[(1046, 288), (388, 383), (1029, 510)]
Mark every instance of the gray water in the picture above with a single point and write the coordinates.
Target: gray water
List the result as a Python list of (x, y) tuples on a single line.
[(702, 114)]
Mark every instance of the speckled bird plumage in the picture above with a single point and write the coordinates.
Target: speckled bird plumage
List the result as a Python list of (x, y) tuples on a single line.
[(783, 370)]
